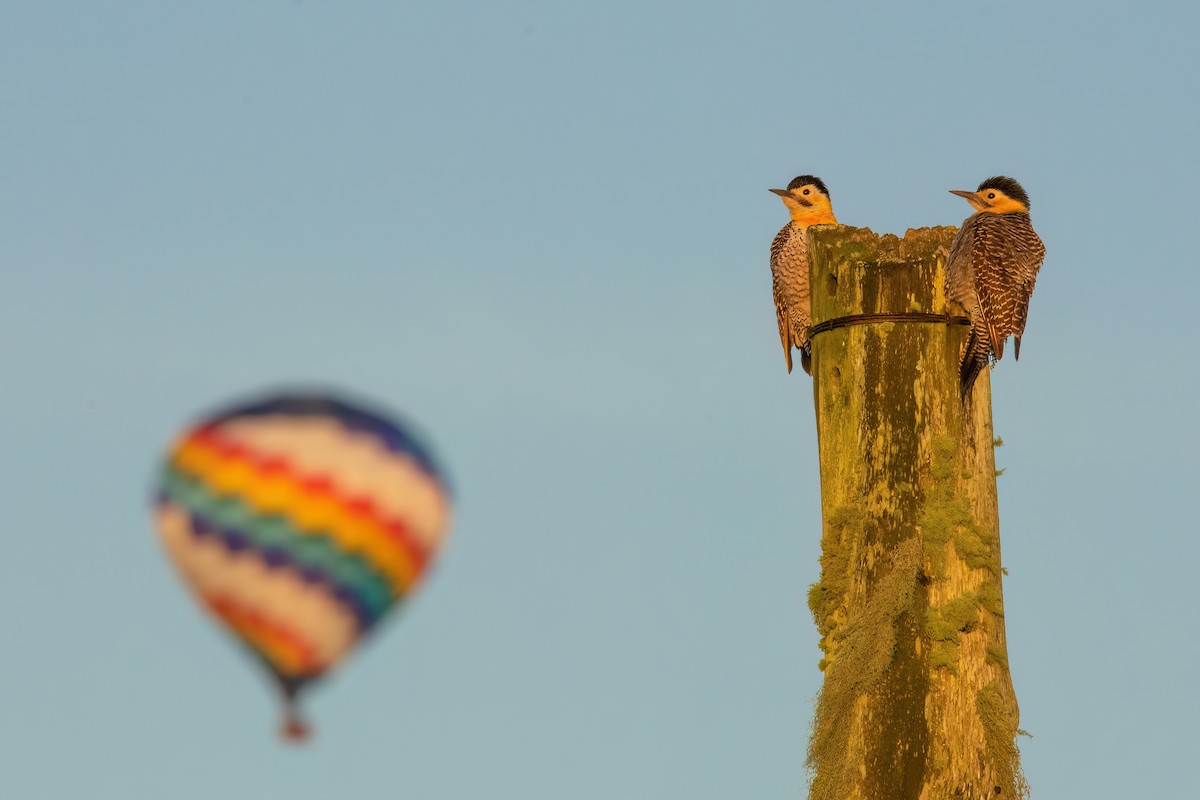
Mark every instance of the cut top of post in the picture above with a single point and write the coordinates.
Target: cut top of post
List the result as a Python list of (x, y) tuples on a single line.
[(858, 276)]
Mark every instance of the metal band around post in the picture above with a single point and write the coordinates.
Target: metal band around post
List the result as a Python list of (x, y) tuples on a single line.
[(867, 319)]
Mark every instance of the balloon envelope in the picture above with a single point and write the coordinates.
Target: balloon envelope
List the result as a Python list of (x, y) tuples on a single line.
[(299, 521)]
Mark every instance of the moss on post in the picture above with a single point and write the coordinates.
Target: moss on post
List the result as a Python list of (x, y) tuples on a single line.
[(917, 699)]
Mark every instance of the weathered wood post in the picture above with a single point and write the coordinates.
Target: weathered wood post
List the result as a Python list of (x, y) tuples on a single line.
[(917, 699)]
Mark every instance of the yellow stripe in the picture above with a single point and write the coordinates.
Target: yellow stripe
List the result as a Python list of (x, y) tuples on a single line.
[(312, 514)]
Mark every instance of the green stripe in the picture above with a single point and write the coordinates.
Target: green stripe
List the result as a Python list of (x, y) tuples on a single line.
[(311, 549)]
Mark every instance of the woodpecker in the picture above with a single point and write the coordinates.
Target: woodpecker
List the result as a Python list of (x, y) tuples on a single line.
[(807, 201), (992, 267)]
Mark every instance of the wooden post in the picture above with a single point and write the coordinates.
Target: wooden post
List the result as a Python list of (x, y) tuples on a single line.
[(917, 701)]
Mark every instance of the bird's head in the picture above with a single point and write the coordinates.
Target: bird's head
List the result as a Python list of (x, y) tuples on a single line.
[(807, 200), (998, 195)]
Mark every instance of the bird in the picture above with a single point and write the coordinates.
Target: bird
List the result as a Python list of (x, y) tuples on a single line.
[(992, 266), (807, 200)]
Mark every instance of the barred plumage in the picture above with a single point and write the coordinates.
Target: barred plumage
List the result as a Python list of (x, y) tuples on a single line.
[(991, 271), (808, 201), (789, 284)]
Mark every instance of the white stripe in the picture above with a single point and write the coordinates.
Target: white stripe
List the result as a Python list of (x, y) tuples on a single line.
[(357, 463), (212, 570)]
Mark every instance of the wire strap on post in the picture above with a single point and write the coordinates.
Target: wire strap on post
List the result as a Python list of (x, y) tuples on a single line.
[(897, 316)]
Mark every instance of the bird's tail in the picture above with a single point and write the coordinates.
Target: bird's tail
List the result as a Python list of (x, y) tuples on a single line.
[(975, 358)]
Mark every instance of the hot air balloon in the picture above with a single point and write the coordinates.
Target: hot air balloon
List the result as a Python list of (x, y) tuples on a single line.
[(299, 521)]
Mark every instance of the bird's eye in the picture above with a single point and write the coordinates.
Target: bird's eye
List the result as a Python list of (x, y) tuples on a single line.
[(991, 195), (806, 191)]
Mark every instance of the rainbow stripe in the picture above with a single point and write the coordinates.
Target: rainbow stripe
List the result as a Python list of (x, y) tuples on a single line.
[(300, 521)]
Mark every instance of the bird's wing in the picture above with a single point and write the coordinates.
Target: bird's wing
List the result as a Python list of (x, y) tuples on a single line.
[(968, 254), (781, 311), (1031, 253), (998, 278)]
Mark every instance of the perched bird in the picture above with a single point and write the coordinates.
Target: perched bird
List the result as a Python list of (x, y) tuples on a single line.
[(807, 201), (993, 264)]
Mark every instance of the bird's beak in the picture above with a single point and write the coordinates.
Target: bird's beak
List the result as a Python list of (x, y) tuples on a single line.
[(781, 192), (971, 197)]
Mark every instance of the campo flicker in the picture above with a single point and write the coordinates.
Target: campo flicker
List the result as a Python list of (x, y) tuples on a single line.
[(991, 270), (807, 200)]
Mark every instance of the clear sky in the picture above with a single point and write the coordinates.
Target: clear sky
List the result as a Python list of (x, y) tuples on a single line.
[(541, 230)]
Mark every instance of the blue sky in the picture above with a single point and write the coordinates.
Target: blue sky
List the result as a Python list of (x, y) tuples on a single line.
[(541, 230)]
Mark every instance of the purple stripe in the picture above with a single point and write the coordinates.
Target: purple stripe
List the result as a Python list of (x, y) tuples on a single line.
[(235, 541)]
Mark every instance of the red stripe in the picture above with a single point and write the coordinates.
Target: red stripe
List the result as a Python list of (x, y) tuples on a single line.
[(395, 529), (261, 632)]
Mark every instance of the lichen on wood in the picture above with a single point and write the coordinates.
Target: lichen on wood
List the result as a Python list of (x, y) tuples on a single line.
[(917, 701)]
